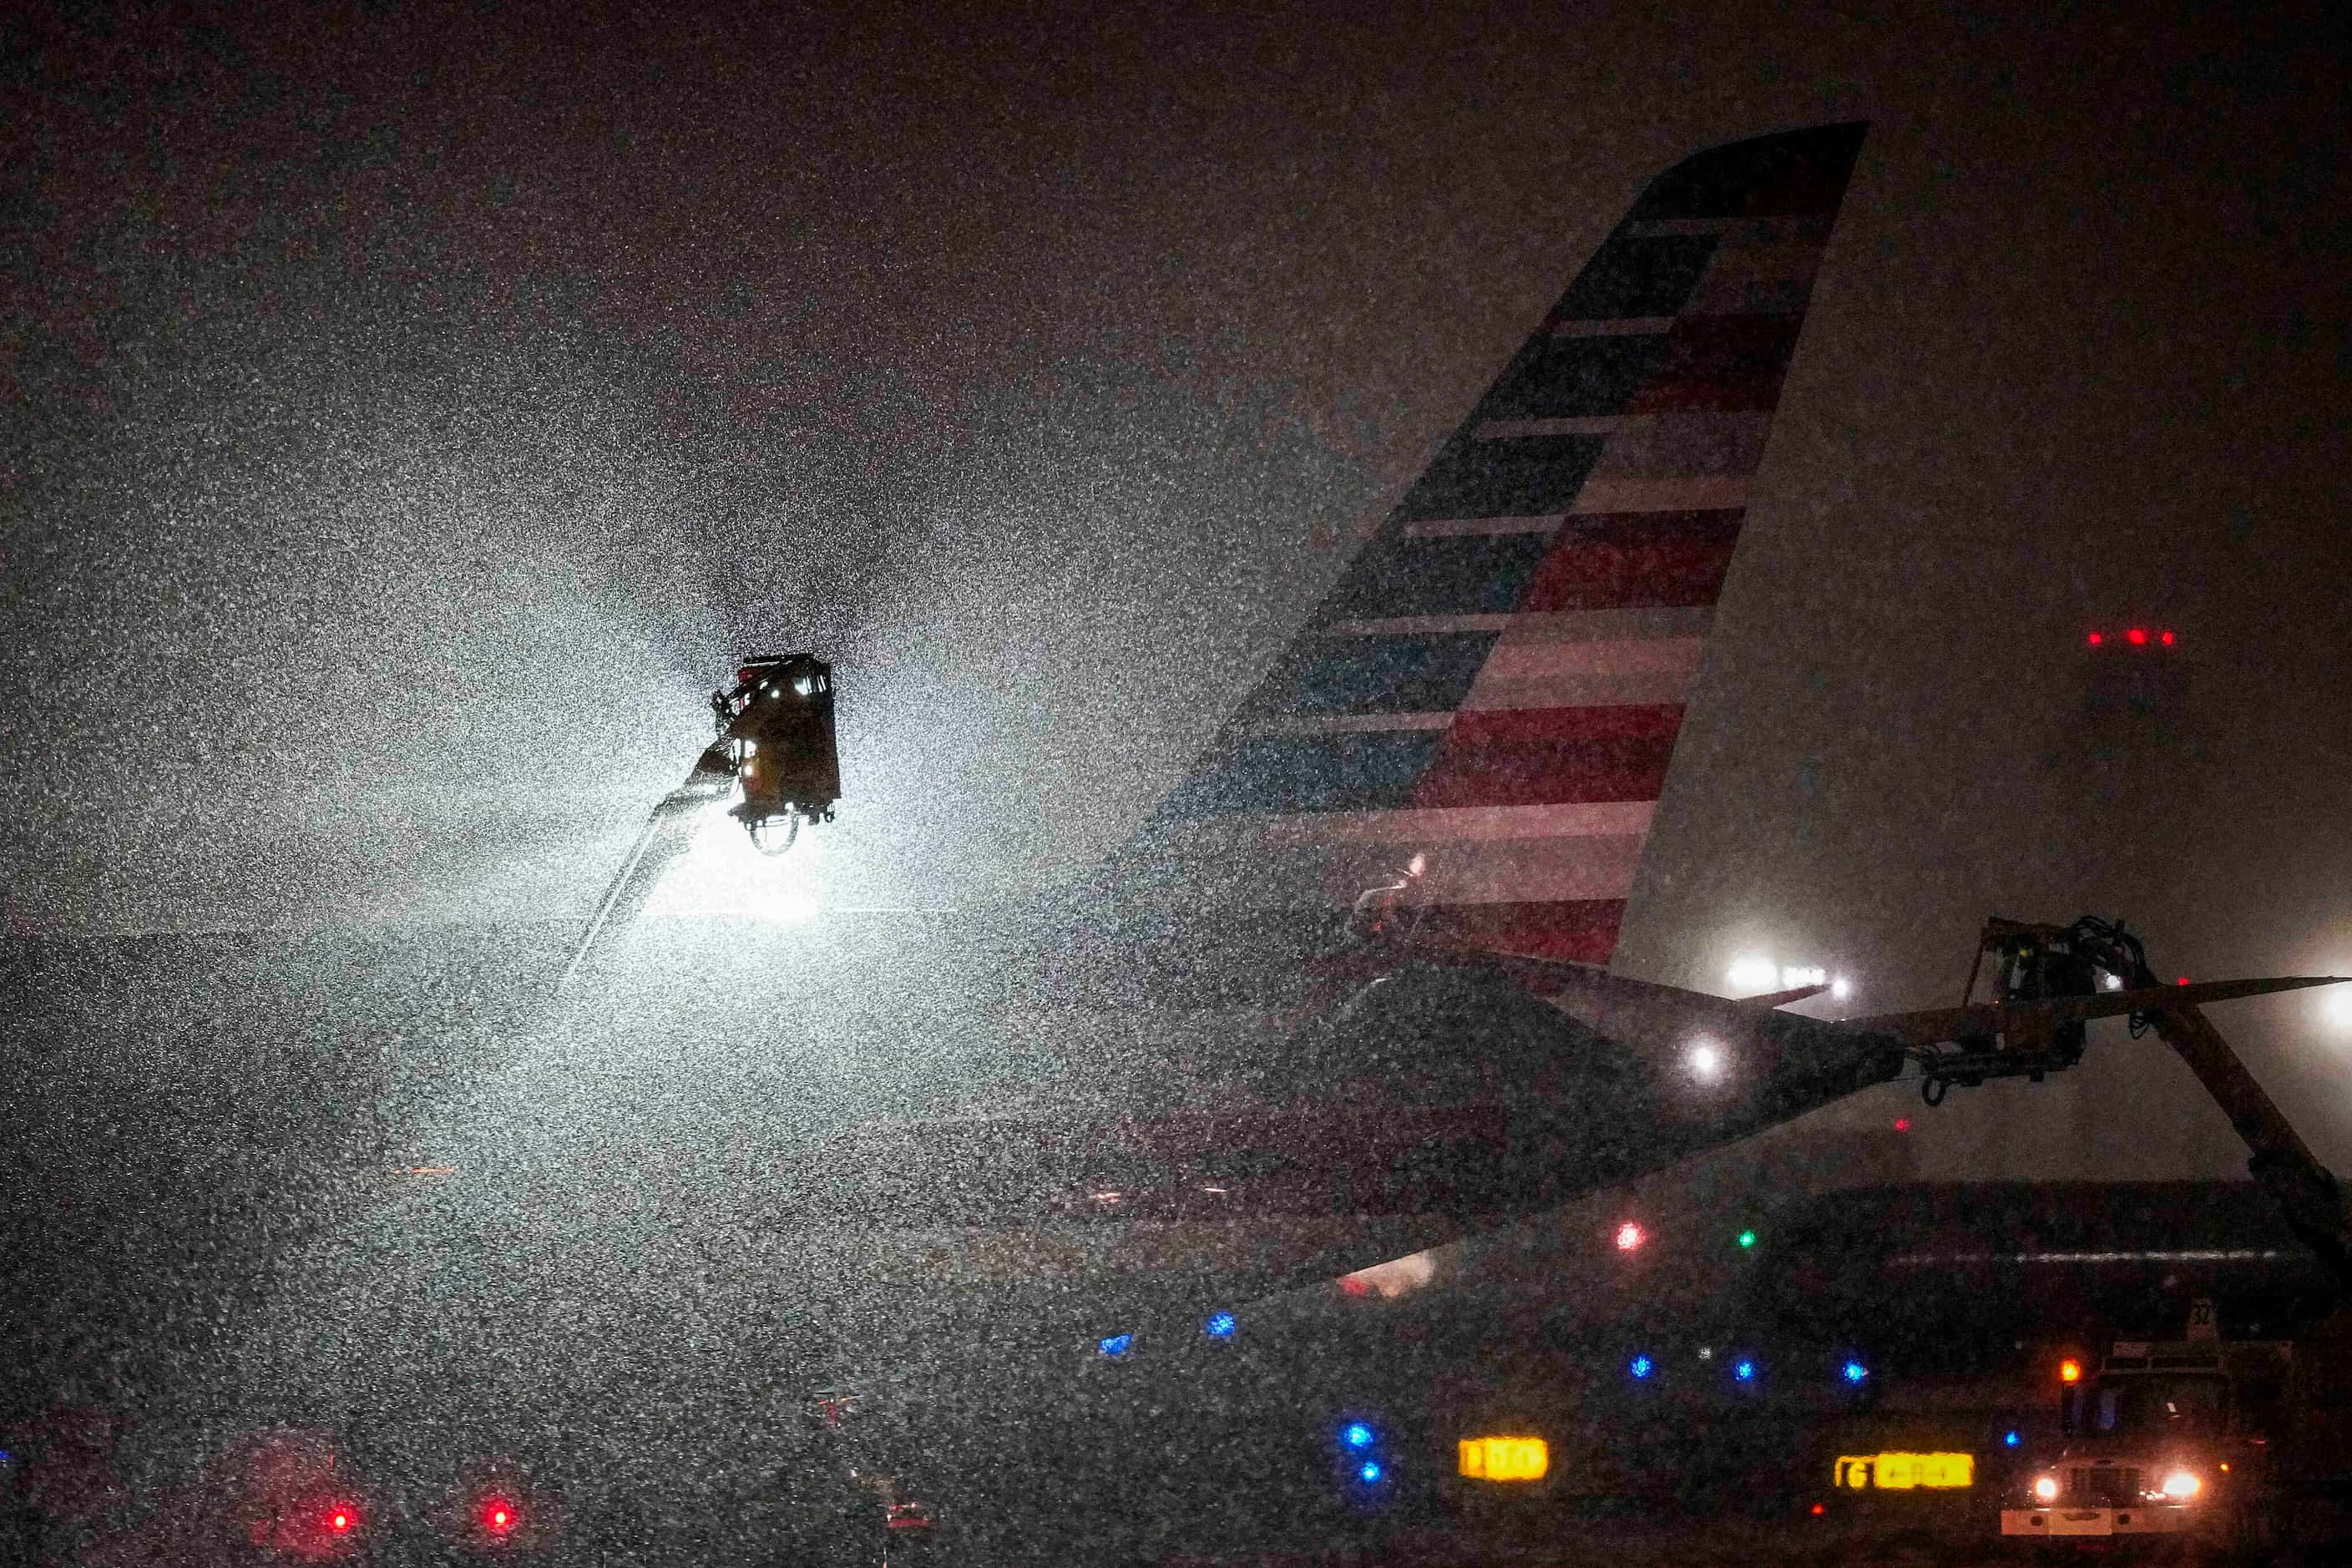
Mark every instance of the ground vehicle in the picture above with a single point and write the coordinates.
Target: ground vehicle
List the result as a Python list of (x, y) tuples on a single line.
[(2221, 1446), (2234, 1447)]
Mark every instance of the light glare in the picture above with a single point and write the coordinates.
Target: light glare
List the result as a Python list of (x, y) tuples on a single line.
[(722, 872), (1754, 973)]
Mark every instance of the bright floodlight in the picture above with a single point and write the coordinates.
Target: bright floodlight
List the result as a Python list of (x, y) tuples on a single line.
[(1795, 974), (724, 873), (2338, 1006), (1840, 988), (1629, 1236), (1706, 1061), (1751, 974)]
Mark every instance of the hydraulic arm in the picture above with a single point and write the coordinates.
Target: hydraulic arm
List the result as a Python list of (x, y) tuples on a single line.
[(2098, 959)]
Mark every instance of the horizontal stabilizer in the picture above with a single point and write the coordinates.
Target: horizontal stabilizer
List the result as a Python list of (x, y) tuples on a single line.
[(1937, 1025), (1783, 998)]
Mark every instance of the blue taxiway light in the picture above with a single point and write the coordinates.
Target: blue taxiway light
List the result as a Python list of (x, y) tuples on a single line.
[(1356, 1435), (1641, 1366), (1744, 1370), (1854, 1372), (1219, 1325), (2010, 1438), (1117, 1344), (1369, 1472)]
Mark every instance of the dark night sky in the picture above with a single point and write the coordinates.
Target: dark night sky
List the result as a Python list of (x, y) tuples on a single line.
[(411, 411)]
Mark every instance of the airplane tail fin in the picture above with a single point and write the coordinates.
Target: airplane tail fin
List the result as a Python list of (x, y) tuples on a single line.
[(1493, 690)]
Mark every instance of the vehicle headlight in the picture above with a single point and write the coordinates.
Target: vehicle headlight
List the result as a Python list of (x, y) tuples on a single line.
[(2182, 1484), (2045, 1488)]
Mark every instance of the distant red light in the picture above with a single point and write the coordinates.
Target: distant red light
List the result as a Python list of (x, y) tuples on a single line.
[(1629, 1236), (2095, 639), (498, 1516), (1903, 1124), (2182, 981), (339, 1521), (2136, 635), (2166, 640), (1817, 1511)]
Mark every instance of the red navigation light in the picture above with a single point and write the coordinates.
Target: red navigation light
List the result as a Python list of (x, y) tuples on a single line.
[(498, 1516), (340, 1521), (1903, 1124), (2136, 636), (1629, 1236), (2182, 981), (2166, 640), (2095, 639), (1817, 1511)]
